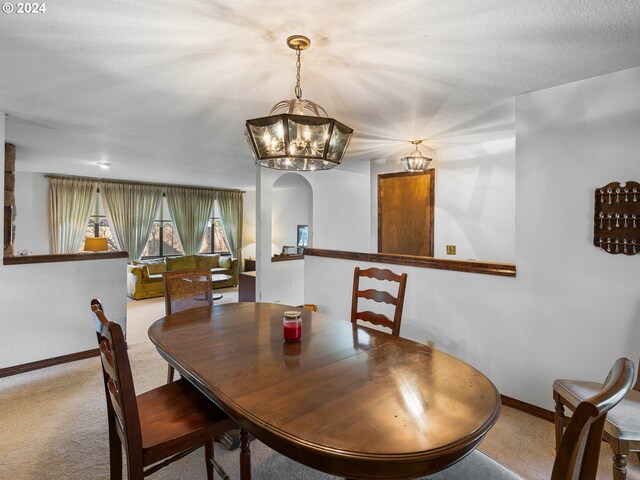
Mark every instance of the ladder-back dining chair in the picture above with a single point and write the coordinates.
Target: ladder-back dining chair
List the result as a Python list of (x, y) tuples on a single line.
[(622, 428), (379, 296), (159, 426), (183, 290), (579, 450)]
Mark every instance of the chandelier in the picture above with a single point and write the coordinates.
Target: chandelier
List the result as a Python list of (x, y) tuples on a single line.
[(415, 161), (289, 138)]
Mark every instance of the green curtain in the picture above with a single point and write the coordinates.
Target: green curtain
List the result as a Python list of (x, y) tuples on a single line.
[(191, 209), (231, 205), (71, 200), (131, 211)]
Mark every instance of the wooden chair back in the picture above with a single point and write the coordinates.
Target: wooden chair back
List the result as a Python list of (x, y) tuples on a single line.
[(96, 304), (121, 397), (579, 450), (381, 274), (185, 289)]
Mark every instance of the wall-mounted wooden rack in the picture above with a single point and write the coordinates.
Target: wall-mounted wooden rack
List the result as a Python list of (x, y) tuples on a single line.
[(616, 221)]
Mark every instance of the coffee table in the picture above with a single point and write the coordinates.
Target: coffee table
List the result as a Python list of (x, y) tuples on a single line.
[(219, 277)]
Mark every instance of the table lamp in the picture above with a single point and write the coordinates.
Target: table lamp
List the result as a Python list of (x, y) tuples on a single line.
[(96, 244)]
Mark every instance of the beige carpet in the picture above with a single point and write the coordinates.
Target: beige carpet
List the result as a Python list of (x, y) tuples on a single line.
[(53, 423)]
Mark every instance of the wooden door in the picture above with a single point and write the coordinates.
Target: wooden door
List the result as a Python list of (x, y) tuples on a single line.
[(405, 213)]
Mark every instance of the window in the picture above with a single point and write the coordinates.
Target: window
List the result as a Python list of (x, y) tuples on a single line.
[(99, 227), (220, 244), (163, 240)]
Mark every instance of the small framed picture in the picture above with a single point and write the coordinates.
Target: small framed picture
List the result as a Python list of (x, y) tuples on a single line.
[(303, 236)]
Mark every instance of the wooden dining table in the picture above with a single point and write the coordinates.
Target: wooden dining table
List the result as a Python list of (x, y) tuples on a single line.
[(347, 400)]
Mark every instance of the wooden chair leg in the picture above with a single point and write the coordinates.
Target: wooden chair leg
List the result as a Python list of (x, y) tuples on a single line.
[(559, 420), (245, 455), (619, 467), (212, 464), (170, 371), (134, 473), (115, 452), (208, 458)]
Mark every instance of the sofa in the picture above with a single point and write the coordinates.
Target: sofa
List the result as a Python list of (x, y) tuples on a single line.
[(144, 278)]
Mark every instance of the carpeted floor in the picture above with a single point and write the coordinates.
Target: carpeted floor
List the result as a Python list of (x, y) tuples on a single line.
[(53, 423)]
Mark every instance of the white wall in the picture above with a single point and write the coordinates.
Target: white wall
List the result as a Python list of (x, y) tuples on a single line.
[(44, 308), (572, 309), (249, 225), (32, 213), (475, 206), (341, 210), (474, 200), (340, 221), (289, 208)]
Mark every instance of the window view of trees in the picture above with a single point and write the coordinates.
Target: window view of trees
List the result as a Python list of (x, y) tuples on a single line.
[(98, 227), (163, 240), (219, 244)]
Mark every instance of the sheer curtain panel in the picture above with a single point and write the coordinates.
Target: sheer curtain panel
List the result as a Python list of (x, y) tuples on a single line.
[(131, 211), (71, 200), (231, 204), (191, 209)]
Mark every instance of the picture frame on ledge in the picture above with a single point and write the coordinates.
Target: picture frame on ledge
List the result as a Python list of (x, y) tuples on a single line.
[(302, 238)]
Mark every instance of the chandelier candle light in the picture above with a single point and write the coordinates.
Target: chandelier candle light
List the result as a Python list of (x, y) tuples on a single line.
[(289, 139), (415, 161)]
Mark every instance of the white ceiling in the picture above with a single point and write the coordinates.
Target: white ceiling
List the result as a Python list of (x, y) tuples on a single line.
[(161, 89)]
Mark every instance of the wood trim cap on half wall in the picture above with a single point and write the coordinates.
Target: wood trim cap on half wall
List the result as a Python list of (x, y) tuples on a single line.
[(73, 257), (488, 268)]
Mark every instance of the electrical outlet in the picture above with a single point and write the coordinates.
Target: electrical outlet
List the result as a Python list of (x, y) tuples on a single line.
[(451, 249)]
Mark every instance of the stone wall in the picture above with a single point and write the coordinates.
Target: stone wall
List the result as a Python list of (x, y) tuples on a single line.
[(9, 197)]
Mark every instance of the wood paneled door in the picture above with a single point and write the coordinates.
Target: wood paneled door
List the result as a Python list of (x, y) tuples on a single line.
[(405, 213)]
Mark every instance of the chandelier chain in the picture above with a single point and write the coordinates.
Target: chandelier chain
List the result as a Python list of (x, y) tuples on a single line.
[(298, 89)]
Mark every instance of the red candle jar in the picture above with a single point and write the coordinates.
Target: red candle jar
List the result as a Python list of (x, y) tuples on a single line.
[(292, 326)]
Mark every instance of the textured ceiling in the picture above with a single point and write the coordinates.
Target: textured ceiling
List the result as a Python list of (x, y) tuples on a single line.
[(161, 89)]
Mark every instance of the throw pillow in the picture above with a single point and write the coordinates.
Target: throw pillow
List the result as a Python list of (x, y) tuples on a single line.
[(156, 266), (207, 261), (187, 262), (226, 262)]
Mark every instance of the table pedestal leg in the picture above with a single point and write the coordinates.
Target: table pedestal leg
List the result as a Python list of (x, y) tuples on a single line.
[(245, 455)]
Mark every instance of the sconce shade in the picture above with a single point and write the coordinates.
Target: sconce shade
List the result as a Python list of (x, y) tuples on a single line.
[(97, 244)]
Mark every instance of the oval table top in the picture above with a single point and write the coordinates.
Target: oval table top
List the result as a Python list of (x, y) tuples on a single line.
[(347, 400)]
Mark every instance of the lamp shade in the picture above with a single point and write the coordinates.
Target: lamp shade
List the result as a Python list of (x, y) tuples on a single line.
[(97, 244)]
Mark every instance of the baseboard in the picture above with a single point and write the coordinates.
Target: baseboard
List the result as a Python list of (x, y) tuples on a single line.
[(49, 362), (525, 407)]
